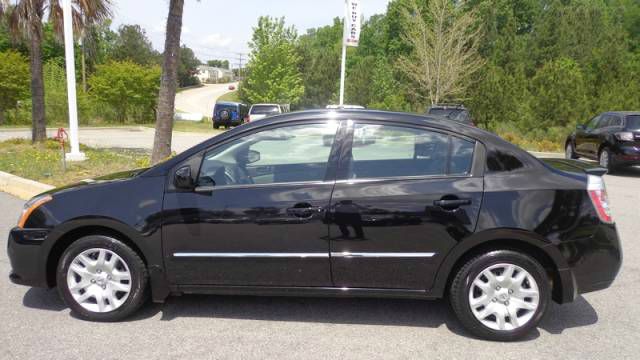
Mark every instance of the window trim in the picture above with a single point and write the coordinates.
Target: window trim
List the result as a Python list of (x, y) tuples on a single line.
[(330, 171), (474, 171)]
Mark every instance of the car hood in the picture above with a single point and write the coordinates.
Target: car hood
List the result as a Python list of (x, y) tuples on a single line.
[(114, 177)]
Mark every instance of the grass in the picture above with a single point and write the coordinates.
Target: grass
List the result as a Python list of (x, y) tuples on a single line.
[(43, 162), (230, 96)]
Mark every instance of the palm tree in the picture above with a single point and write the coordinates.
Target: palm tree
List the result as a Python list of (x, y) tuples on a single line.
[(26, 19), (168, 84)]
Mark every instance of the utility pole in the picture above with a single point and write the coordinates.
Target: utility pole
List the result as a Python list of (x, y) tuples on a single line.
[(240, 55)]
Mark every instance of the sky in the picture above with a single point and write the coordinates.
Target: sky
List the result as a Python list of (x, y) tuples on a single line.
[(219, 29)]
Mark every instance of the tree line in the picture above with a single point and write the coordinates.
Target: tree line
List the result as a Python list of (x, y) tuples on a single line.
[(529, 68)]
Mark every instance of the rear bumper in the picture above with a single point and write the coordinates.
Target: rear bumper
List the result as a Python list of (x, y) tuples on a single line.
[(594, 261), (227, 122), (24, 248)]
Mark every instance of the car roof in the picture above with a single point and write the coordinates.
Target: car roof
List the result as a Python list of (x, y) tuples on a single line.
[(491, 141), (228, 103), (624, 113)]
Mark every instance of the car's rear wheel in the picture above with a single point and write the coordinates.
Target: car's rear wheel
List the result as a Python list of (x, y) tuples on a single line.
[(216, 126), (500, 295), (101, 279), (570, 152)]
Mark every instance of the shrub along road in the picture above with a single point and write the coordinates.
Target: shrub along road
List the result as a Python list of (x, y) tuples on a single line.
[(605, 324)]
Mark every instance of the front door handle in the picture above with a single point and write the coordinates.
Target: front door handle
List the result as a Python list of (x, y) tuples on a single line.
[(304, 212), (451, 203)]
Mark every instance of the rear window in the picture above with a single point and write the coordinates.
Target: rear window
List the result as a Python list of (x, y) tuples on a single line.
[(229, 107), (265, 109), (501, 161), (633, 122), (460, 115)]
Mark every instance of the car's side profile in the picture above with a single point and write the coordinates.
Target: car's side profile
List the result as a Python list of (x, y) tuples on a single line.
[(331, 203), (611, 138)]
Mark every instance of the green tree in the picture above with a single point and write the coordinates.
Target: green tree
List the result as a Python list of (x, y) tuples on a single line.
[(127, 88), (559, 94), (223, 64), (14, 81), (26, 22), (188, 67), (319, 51), (273, 69), (132, 44)]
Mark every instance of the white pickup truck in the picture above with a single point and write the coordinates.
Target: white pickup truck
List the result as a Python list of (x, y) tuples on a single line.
[(261, 111)]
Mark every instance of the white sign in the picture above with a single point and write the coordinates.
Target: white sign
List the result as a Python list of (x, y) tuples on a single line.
[(352, 23)]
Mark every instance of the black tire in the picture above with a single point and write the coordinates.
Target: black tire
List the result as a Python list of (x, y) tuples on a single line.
[(216, 126), (137, 268), (461, 286), (570, 151), (609, 160)]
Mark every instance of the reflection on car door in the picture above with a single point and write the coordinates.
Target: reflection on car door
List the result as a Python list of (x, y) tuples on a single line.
[(405, 196), (582, 139), (263, 222)]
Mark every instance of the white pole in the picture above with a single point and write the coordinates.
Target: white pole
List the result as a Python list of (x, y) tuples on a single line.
[(75, 154), (344, 57)]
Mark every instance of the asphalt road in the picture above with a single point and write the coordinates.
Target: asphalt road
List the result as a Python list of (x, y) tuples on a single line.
[(201, 100), (34, 323)]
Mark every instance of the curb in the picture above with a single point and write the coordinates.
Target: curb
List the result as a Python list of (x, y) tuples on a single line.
[(23, 188)]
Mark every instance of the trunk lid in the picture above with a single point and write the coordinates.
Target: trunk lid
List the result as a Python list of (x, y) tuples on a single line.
[(575, 166)]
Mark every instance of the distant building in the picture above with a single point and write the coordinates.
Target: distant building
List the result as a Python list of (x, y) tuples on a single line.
[(210, 74)]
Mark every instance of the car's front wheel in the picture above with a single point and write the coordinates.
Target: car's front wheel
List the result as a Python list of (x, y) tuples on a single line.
[(500, 295), (606, 160), (100, 278)]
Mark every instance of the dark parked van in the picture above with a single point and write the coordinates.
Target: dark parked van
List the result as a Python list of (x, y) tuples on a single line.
[(229, 114)]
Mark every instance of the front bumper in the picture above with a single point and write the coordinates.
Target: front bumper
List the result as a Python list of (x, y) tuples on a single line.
[(627, 155), (28, 263)]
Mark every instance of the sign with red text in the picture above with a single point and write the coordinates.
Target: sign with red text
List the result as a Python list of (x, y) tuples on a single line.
[(352, 22)]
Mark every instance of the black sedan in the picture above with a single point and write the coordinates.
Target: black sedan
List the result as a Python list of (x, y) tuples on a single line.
[(612, 139), (331, 203)]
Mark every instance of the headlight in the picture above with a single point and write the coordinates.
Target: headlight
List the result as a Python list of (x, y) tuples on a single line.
[(624, 136), (30, 206)]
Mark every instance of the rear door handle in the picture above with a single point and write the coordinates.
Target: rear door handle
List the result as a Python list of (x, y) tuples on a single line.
[(451, 203)]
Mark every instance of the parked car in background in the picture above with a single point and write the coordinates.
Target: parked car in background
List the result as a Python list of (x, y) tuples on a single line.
[(232, 87), (229, 114), (455, 112), (261, 111), (611, 138), (393, 205)]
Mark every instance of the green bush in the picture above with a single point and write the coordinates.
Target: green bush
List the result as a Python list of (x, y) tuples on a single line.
[(124, 91), (14, 82)]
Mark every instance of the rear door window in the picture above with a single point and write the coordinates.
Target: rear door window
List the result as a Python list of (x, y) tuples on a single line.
[(385, 151)]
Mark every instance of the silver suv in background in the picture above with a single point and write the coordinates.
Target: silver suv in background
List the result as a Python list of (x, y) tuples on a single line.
[(261, 111)]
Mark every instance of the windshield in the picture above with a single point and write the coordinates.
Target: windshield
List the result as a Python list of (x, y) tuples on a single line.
[(633, 122), (265, 109)]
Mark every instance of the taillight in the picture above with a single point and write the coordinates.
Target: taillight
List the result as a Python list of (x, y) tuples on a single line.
[(598, 195)]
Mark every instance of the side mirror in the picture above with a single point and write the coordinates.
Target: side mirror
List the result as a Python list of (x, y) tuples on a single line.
[(253, 156), (182, 178)]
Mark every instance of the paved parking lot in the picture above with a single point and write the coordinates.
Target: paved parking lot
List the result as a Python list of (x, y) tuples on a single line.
[(34, 323)]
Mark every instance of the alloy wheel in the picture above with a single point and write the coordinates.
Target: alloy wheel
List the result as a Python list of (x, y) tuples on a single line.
[(604, 159), (504, 297), (99, 280)]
